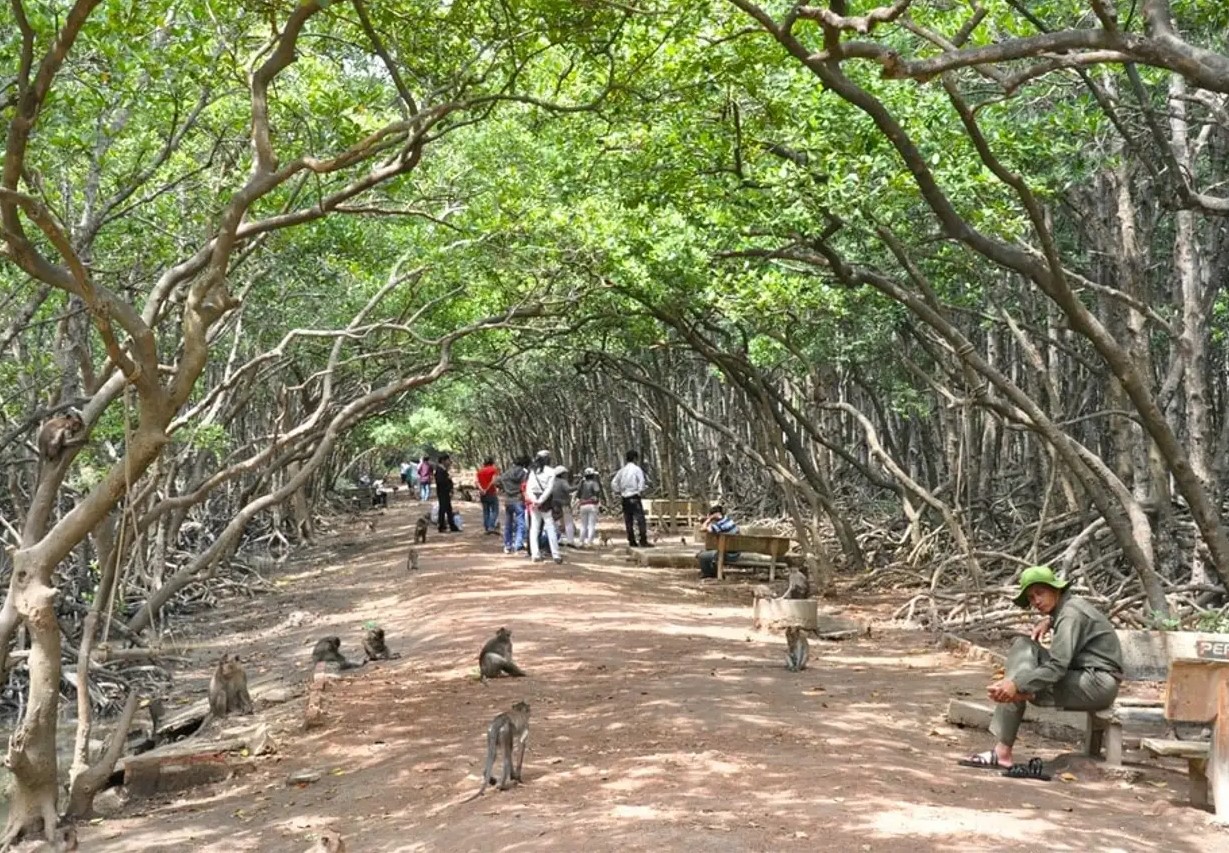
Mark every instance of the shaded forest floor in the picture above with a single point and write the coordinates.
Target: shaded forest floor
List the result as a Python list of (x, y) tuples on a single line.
[(660, 721)]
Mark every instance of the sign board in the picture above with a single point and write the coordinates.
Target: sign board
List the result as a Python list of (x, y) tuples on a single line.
[(1212, 649)]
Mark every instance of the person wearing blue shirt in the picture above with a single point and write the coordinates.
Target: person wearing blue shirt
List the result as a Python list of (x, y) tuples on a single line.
[(717, 522)]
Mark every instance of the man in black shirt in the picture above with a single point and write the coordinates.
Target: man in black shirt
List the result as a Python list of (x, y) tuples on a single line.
[(443, 491)]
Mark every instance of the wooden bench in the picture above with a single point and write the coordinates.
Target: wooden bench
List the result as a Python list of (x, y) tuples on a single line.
[(1197, 691), (1196, 754), (664, 513), (774, 547)]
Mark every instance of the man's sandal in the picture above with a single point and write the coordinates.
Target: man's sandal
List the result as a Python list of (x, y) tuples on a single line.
[(985, 760), (1035, 769)]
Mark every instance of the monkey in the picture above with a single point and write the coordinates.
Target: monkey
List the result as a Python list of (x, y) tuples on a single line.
[(64, 839), (798, 649), (507, 729), (59, 434), (496, 656), (799, 584), (763, 591), (228, 689), (328, 650), (374, 646), (328, 842), (605, 540), (420, 530), (411, 560)]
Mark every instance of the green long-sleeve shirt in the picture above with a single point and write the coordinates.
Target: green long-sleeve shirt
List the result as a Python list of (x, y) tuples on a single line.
[(1083, 639)]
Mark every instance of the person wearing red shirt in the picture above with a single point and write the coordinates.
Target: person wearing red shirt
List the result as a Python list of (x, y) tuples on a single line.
[(488, 493)]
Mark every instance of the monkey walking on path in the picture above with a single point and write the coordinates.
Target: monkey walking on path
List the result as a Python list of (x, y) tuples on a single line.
[(411, 560), (496, 656), (507, 729), (798, 649), (420, 530)]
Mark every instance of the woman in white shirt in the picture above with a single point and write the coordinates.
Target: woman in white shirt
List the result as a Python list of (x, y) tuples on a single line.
[(538, 504)]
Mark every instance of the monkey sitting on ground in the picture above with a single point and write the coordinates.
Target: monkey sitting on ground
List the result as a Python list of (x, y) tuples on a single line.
[(420, 530), (328, 842), (228, 689), (374, 646), (798, 649), (64, 839), (799, 584), (411, 560), (507, 729), (328, 651), (496, 656), (59, 434)]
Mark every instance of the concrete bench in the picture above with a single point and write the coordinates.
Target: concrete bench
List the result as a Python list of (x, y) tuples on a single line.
[(773, 547)]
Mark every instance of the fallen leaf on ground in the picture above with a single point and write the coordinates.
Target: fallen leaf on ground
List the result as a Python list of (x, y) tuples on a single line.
[(1067, 777)]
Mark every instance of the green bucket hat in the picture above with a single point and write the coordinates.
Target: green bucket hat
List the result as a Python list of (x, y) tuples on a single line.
[(1037, 574)]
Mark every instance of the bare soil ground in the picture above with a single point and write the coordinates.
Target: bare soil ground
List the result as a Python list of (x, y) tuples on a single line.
[(660, 722)]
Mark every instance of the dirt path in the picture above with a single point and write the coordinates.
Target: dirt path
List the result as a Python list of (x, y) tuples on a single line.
[(660, 722)]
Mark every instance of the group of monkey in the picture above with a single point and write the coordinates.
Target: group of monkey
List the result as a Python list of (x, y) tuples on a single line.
[(228, 692)]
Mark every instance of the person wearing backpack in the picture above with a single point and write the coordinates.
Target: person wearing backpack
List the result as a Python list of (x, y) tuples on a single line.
[(589, 494)]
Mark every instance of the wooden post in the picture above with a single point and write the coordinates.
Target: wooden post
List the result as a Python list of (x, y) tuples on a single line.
[(720, 556), (1218, 758)]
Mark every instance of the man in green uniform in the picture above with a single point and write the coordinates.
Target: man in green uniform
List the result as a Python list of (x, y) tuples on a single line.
[(1080, 671)]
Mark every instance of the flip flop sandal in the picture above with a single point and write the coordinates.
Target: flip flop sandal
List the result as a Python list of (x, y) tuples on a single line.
[(1035, 769), (985, 760)]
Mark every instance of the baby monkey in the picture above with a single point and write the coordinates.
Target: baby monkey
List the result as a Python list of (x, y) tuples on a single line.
[(506, 730), (798, 649), (374, 646), (411, 560), (420, 530)]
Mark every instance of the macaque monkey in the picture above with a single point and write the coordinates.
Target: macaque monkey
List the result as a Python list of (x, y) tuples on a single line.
[(507, 729), (411, 560), (799, 584), (496, 656), (62, 840), (798, 649), (374, 646), (420, 530), (328, 842), (328, 650), (763, 591), (605, 540), (59, 434), (228, 689)]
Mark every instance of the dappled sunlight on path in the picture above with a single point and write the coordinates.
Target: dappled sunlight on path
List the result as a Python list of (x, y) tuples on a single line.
[(660, 721)]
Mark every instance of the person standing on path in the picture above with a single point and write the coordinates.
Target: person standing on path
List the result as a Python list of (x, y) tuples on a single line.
[(488, 495), (443, 491), (561, 505), (510, 483), (590, 496), (425, 472), (629, 484), (538, 490)]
